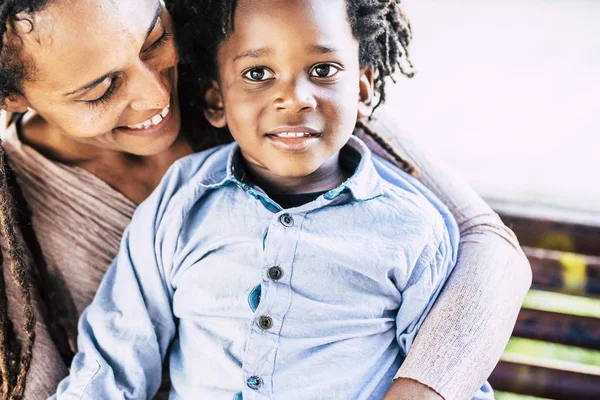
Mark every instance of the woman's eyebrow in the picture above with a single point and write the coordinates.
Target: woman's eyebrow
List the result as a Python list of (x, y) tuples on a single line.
[(96, 82)]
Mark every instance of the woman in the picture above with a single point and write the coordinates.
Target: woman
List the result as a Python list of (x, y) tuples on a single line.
[(101, 78)]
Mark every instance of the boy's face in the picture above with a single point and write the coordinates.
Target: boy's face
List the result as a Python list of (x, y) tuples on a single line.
[(290, 86)]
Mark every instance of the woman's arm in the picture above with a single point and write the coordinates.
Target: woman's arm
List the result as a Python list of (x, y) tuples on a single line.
[(464, 335)]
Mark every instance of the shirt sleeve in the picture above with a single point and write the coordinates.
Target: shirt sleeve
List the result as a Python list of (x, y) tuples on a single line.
[(125, 333), (468, 328), (429, 274)]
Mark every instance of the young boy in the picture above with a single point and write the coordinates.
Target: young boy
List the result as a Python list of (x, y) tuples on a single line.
[(282, 266)]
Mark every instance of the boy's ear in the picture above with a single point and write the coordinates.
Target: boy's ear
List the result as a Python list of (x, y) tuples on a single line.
[(15, 103), (214, 111), (365, 92)]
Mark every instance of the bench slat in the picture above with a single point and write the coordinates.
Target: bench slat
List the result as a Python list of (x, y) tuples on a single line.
[(553, 235), (535, 380), (564, 252), (558, 328), (564, 272)]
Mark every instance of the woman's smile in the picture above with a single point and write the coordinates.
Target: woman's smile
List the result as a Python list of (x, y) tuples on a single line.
[(151, 127)]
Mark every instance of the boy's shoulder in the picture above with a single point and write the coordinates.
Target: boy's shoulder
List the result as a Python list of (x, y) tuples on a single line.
[(186, 177), (199, 167), (416, 205)]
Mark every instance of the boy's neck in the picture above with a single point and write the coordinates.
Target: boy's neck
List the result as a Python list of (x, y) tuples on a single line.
[(329, 176)]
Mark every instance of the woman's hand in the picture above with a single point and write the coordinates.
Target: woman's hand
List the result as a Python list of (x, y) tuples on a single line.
[(408, 389)]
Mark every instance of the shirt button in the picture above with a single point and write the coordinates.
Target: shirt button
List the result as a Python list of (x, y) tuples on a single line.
[(265, 322), (254, 382), (275, 273), (286, 220)]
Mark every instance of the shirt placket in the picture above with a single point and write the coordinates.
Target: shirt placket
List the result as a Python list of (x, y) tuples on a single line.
[(275, 298)]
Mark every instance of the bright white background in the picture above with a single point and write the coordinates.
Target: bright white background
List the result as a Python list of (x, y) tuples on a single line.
[(507, 92)]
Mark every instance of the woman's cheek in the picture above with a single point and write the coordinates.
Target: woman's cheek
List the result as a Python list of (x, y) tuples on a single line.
[(87, 123)]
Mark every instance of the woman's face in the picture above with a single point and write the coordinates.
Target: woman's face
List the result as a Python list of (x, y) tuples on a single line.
[(105, 72)]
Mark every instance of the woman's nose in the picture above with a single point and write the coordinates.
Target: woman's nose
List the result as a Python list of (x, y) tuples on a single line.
[(150, 90)]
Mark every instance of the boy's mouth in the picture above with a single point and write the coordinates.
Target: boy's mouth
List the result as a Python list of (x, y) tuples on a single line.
[(290, 132), (293, 139), (293, 135)]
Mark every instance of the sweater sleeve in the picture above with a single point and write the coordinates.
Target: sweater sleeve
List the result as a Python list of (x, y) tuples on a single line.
[(47, 366), (464, 335)]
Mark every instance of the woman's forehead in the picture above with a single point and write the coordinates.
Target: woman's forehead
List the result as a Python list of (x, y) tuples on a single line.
[(71, 39)]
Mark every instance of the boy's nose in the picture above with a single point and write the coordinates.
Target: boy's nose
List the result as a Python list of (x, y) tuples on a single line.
[(296, 97)]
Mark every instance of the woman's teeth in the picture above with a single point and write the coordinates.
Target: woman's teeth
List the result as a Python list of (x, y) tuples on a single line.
[(293, 134), (157, 119)]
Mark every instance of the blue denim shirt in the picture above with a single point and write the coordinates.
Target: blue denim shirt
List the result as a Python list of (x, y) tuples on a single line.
[(320, 301)]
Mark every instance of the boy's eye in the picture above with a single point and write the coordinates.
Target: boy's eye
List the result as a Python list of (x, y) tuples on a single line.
[(324, 70), (258, 74)]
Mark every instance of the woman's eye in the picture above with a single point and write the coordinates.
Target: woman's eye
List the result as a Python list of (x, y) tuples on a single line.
[(324, 71), (106, 96), (159, 42), (258, 74)]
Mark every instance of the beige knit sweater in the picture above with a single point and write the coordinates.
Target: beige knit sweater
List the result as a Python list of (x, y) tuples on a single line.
[(79, 219)]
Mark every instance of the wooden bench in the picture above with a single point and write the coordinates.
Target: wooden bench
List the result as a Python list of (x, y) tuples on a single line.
[(565, 258)]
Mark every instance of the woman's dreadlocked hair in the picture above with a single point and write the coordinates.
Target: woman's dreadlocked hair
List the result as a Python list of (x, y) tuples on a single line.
[(381, 27), (15, 358)]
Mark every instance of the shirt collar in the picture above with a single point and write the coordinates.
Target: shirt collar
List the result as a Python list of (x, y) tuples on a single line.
[(236, 170), (233, 171), (364, 184)]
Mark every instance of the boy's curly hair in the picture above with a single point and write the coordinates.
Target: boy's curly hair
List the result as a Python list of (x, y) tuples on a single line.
[(381, 27)]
